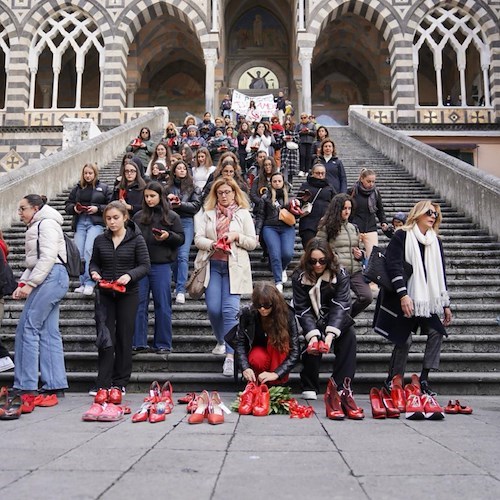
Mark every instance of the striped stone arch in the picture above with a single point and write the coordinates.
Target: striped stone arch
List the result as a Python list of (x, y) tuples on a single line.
[(8, 21), (489, 23)]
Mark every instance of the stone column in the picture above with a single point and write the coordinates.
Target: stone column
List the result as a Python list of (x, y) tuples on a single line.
[(131, 90), (210, 56), (305, 59)]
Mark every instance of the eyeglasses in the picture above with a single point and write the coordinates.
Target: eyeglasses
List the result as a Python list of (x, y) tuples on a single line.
[(431, 213), (129, 171), (315, 262), (224, 193), (20, 210), (263, 306), (302, 117)]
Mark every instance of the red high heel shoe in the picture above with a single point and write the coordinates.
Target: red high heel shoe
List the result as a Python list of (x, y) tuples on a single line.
[(215, 413), (415, 380), (157, 412), (378, 408), (323, 347), (262, 401), (332, 402), (142, 414), (247, 399), (192, 405), (313, 349), (154, 393), (201, 411), (390, 407), (349, 406), (166, 395), (397, 393)]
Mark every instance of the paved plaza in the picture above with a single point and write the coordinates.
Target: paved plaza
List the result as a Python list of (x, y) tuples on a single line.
[(52, 454)]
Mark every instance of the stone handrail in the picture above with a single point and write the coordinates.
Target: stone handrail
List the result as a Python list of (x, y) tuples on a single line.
[(61, 170), (464, 186)]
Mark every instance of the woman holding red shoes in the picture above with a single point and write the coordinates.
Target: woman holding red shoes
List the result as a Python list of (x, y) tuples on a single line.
[(120, 259), (322, 300), (267, 341)]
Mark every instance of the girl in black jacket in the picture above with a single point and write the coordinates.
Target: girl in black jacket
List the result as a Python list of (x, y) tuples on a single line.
[(129, 190), (163, 232), (267, 341), (185, 199), (86, 203), (120, 255)]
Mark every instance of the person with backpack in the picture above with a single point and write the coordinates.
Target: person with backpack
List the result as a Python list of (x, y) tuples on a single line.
[(45, 281)]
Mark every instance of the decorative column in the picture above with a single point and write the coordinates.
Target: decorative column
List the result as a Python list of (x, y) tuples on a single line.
[(305, 59), (438, 65), (215, 16), (301, 16), (79, 77), (131, 90), (486, 83), (55, 87), (210, 56), (33, 72)]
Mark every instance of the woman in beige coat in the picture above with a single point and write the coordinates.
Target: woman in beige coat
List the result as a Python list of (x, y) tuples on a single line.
[(225, 233)]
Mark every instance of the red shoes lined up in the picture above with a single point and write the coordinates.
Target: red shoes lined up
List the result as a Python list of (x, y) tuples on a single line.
[(454, 408), (255, 400), (208, 407), (382, 404), (112, 285), (339, 405), (157, 404), (12, 407), (106, 407)]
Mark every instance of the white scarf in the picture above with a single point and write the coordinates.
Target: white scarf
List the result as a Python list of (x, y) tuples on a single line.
[(429, 295)]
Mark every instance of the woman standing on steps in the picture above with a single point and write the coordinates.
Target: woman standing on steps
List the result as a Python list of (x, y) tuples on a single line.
[(224, 234), (86, 203), (415, 264)]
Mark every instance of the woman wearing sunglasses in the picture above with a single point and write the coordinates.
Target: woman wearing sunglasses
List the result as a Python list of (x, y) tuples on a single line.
[(267, 341), (418, 300), (322, 300)]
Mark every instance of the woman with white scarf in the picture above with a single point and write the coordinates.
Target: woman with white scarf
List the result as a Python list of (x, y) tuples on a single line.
[(423, 296)]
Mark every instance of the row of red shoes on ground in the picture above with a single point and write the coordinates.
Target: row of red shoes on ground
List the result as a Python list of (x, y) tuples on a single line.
[(205, 406), (157, 404), (341, 404), (12, 406)]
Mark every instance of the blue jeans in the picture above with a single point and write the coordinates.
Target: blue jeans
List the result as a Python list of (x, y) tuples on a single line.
[(280, 241), (223, 307), (38, 339), (180, 268), (85, 234), (157, 281)]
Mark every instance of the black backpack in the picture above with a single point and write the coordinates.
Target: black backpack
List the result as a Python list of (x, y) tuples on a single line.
[(75, 265)]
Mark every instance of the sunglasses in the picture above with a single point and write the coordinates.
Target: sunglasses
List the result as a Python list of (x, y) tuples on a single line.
[(263, 306), (321, 261), (431, 213)]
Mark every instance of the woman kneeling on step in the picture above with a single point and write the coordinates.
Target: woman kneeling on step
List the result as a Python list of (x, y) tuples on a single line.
[(322, 301), (267, 341)]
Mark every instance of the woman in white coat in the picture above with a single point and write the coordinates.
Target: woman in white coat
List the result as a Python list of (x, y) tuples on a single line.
[(227, 229)]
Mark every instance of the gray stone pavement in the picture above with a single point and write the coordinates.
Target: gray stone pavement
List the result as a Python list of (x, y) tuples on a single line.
[(52, 454)]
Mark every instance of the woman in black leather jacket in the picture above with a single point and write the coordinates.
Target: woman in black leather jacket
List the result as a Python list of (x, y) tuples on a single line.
[(86, 203), (267, 341)]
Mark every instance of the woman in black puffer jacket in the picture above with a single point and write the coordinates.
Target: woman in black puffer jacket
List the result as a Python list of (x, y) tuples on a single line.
[(120, 255)]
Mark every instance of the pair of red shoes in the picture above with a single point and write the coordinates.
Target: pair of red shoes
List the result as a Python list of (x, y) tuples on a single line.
[(454, 408), (112, 285), (339, 405), (255, 400), (157, 404), (382, 404), (223, 245), (106, 412), (113, 395), (318, 347), (421, 406), (208, 407)]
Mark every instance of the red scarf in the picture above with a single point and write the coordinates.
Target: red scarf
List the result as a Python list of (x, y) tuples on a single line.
[(4, 249), (224, 217)]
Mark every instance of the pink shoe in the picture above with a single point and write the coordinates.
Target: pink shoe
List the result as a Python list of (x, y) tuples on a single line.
[(111, 413), (92, 413)]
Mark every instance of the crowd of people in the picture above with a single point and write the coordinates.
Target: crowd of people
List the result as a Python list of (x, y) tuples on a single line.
[(227, 188)]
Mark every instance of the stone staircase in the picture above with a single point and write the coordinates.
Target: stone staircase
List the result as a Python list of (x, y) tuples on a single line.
[(471, 354)]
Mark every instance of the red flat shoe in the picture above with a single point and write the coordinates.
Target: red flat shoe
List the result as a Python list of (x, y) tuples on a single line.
[(313, 348), (247, 399), (215, 413), (187, 398), (378, 408), (262, 401), (92, 413), (397, 393), (463, 410), (111, 413), (349, 406), (13, 410), (114, 395), (119, 288), (323, 347), (106, 285), (332, 402), (390, 407), (201, 411), (142, 414), (48, 401), (451, 408), (28, 403)]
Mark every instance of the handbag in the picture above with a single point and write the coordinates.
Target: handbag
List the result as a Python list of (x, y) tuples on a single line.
[(291, 145), (7, 281), (308, 207), (286, 217), (195, 285)]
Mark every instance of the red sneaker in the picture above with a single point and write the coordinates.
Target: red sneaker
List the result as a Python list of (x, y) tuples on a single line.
[(414, 406), (432, 410)]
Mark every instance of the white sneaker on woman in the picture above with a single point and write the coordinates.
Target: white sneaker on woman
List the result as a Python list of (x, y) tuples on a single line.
[(180, 298), (284, 277), (219, 349), (80, 289), (279, 287), (6, 364), (228, 367), (88, 290)]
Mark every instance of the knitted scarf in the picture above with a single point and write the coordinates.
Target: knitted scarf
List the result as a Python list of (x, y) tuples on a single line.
[(224, 217), (371, 193), (426, 286)]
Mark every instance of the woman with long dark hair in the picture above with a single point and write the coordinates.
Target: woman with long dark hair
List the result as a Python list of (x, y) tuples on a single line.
[(129, 190), (335, 172), (185, 200), (262, 182), (142, 146), (242, 138), (162, 230), (322, 300), (267, 341), (85, 203), (344, 239)]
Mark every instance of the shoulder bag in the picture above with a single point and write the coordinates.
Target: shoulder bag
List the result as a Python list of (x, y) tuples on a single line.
[(307, 207), (195, 285)]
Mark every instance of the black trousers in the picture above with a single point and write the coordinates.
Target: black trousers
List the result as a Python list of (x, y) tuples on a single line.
[(344, 365), (306, 235), (115, 363), (3, 351), (305, 156)]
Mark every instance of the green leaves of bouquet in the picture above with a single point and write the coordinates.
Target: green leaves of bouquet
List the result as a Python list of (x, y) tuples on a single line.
[(279, 400)]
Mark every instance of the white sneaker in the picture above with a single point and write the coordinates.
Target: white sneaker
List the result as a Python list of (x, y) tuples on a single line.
[(6, 364), (180, 298), (228, 367), (219, 349), (80, 289), (88, 290), (309, 395), (284, 277), (279, 287)]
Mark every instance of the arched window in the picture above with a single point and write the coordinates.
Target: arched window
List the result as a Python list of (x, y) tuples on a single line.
[(451, 59), (4, 62), (66, 62)]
